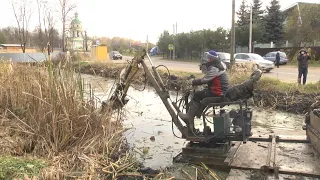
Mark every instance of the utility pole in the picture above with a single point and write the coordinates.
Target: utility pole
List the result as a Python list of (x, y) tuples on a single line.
[(176, 27), (173, 52), (232, 61), (174, 47), (147, 45), (250, 34)]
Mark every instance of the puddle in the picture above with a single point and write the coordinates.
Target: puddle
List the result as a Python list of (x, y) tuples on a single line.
[(150, 130)]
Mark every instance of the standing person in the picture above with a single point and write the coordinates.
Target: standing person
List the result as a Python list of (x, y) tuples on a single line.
[(278, 59), (303, 59)]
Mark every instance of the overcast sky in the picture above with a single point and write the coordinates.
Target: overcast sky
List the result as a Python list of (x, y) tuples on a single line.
[(136, 19)]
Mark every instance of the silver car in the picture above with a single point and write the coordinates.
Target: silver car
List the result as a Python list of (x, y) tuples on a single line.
[(225, 57), (256, 59)]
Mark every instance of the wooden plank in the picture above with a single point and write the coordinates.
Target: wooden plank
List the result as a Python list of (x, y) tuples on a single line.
[(314, 121), (232, 152), (291, 158), (314, 138), (238, 174), (297, 157), (282, 138), (251, 155)]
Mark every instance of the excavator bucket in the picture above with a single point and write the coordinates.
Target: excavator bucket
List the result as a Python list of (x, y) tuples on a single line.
[(118, 97)]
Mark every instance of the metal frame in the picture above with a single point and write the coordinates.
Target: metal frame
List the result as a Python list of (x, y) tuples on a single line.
[(241, 103), (225, 161)]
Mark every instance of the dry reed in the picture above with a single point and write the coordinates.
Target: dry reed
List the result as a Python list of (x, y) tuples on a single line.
[(45, 112)]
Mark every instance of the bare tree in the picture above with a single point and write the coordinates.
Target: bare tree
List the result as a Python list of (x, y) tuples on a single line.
[(66, 6), (40, 35), (46, 21), (49, 22), (22, 12)]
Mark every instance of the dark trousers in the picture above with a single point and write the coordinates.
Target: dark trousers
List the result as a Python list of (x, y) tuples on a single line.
[(304, 72), (277, 63), (199, 95)]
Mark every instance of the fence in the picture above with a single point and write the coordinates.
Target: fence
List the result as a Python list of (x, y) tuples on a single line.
[(28, 57)]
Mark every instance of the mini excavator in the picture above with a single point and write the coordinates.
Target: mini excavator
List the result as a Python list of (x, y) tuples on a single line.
[(226, 125)]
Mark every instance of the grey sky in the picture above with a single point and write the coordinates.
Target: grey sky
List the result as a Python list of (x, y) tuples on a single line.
[(136, 19)]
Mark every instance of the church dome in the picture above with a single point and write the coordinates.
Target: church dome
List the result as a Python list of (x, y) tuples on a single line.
[(76, 20)]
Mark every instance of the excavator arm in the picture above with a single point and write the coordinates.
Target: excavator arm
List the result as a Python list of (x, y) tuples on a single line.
[(118, 98), (236, 95)]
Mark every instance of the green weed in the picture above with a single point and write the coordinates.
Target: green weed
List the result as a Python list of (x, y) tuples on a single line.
[(11, 167)]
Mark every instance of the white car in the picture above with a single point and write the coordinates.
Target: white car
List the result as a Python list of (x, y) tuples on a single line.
[(254, 58)]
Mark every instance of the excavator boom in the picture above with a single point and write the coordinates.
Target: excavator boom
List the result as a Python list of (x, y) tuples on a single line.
[(118, 98)]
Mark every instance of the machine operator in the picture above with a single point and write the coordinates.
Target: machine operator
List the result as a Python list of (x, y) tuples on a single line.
[(217, 80)]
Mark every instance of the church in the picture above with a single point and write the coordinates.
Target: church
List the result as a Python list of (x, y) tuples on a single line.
[(77, 38)]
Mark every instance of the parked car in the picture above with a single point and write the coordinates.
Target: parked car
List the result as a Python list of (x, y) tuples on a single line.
[(271, 56), (225, 57), (254, 58), (116, 55)]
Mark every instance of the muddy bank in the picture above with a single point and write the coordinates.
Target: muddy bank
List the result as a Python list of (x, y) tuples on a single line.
[(292, 102)]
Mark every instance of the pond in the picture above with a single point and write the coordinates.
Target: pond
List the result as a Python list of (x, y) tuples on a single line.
[(156, 141)]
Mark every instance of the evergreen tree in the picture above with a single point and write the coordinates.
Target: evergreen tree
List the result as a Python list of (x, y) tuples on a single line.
[(274, 30), (243, 14), (257, 12)]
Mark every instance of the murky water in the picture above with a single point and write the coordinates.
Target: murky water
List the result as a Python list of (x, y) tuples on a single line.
[(151, 134)]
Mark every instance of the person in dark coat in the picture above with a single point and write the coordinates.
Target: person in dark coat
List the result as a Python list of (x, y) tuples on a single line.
[(278, 59), (303, 59)]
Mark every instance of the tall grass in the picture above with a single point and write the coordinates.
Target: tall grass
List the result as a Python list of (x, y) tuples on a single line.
[(47, 113)]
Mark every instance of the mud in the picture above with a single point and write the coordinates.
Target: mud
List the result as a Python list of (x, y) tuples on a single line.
[(293, 102), (150, 131)]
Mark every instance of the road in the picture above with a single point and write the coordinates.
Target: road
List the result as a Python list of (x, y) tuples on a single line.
[(285, 73)]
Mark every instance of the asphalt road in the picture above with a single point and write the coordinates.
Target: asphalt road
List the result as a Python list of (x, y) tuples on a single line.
[(284, 73)]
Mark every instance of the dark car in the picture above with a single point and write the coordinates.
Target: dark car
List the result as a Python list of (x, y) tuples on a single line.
[(116, 55), (271, 56)]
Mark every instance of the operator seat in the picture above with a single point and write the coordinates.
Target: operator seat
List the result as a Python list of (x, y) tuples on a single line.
[(242, 91), (208, 100)]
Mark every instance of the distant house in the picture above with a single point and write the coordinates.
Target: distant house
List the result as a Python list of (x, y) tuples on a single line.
[(10, 46), (296, 6)]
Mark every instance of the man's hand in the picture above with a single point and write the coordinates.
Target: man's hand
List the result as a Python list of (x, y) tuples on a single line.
[(196, 82)]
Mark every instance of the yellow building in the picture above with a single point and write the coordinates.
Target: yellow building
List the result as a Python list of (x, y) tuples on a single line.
[(100, 53)]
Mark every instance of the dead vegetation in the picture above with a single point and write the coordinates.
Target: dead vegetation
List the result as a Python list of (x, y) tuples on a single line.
[(46, 114)]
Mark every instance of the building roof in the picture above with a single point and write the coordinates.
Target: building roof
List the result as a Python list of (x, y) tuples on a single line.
[(11, 45), (296, 4)]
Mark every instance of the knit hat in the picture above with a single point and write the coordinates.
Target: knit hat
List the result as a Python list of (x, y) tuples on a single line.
[(303, 51), (212, 54)]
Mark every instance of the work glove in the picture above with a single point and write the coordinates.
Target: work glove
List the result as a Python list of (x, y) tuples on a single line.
[(196, 82)]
